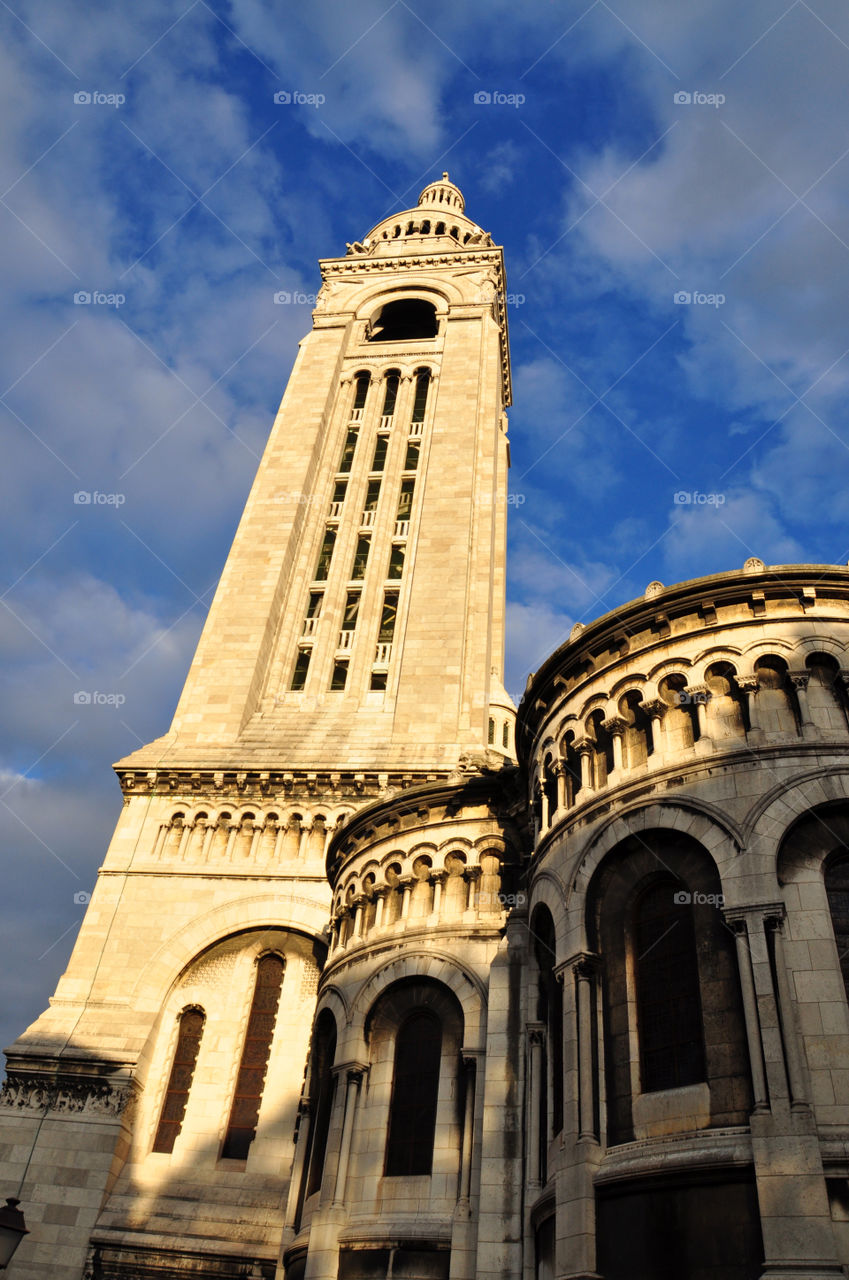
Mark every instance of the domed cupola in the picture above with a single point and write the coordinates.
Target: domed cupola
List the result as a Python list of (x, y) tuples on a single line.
[(443, 195)]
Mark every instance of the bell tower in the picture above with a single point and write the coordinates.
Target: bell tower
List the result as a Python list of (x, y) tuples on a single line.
[(354, 650)]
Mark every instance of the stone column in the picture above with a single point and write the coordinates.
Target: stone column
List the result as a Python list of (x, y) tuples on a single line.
[(438, 883), (380, 896), (406, 884), (469, 1070), (616, 727), (700, 695), (799, 681), (748, 685), (290, 1224), (473, 875), (787, 1015), (655, 709), (536, 1042), (584, 970), (737, 923), (354, 1081), (585, 751)]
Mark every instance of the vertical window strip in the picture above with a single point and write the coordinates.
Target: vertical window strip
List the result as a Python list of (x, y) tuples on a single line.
[(420, 401), (250, 1082), (415, 1094), (325, 556), (669, 1015), (302, 666), (180, 1080)]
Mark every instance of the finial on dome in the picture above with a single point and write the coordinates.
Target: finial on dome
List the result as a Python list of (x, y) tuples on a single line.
[(444, 193)]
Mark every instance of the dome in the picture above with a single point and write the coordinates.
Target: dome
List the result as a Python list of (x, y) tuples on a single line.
[(443, 194)]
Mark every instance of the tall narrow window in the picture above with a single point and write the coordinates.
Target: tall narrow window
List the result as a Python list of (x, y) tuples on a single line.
[(669, 1013), (241, 1129), (314, 604), (387, 617), (321, 1096), (411, 461), (339, 678), (380, 447), (391, 394), (322, 569), (420, 402), (180, 1080), (360, 393), (837, 889), (372, 495), (358, 569), (348, 450), (339, 490), (415, 1093), (396, 560), (302, 666), (352, 608), (405, 499)]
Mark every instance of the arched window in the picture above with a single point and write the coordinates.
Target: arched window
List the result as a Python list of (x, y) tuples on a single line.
[(241, 1129), (322, 1083), (390, 395), (550, 1012), (837, 889), (360, 393), (180, 1080), (669, 1013), (420, 401), (415, 1093), (405, 319)]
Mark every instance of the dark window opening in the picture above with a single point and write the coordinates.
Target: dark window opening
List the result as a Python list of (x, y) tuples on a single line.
[(302, 666), (241, 1129), (387, 617), (339, 490), (361, 391), (372, 495), (322, 569), (669, 1014), (415, 1093), (490, 736), (314, 605), (180, 1080), (358, 569), (352, 608), (340, 674), (380, 447), (390, 395), (348, 451), (420, 402), (321, 1096), (837, 889), (405, 499), (405, 319), (396, 560), (411, 461), (378, 679)]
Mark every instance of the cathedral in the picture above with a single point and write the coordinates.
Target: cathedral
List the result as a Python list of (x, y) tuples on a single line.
[(383, 977)]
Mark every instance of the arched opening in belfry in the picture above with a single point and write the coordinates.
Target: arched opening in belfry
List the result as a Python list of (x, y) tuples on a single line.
[(404, 319)]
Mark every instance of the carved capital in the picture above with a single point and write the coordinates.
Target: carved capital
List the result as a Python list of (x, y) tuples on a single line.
[(615, 725), (799, 679), (654, 707), (747, 684)]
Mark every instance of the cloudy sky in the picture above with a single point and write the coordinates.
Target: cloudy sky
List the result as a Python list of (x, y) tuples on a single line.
[(670, 184)]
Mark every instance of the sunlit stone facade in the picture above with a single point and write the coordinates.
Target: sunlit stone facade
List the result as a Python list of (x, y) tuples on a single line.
[(379, 979)]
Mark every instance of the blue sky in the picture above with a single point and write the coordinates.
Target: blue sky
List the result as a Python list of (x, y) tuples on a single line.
[(627, 153)]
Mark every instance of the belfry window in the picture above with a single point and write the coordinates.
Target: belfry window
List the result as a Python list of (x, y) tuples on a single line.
[(380, 447), (302, 666), (411, 461), (352, 608), (180, 1080), (420, 402), (396, 560), (390, 395), (360, 393), (241, 1129), (405, 319), (358, 569), (669, 1014), (837, 889), (405, 499), (415, 1092), (348, 450), (387, 617), (339, 678), (322, 569)]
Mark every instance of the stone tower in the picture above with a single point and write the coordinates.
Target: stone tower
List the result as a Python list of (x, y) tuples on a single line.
[(352, 656)]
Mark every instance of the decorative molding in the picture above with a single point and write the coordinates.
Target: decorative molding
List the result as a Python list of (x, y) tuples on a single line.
[(66, 1095)]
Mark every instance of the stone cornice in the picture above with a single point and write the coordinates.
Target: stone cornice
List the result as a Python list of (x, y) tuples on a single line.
[(66, 1094), (268, 784)]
